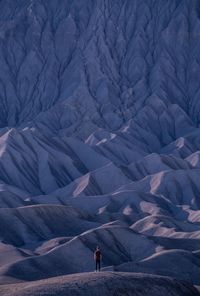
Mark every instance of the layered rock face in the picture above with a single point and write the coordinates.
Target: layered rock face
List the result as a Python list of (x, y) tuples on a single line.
[(100, 137)]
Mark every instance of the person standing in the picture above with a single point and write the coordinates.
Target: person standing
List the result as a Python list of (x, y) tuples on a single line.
[(98, 258)]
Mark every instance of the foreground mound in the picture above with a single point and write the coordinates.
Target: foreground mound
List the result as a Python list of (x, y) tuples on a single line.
[(104, 283)]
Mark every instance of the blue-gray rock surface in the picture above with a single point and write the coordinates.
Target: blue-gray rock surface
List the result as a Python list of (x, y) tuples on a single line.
[(106, 283), (99, 137)]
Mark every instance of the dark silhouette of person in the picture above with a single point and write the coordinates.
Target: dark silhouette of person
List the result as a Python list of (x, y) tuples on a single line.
[(97, 258)]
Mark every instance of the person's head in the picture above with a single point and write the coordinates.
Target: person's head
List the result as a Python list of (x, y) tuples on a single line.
[(98, 248)]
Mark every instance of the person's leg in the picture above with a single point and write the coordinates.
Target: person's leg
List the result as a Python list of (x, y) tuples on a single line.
[(99, 265), (96, 265)]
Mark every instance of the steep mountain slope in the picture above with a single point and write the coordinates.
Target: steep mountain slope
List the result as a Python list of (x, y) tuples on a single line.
[(99, 136)]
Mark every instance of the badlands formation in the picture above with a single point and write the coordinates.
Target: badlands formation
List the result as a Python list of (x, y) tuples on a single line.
[(100, 145)]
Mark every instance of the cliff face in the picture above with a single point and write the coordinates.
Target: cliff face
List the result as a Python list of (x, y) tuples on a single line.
[(99, 100), (107, 59)]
